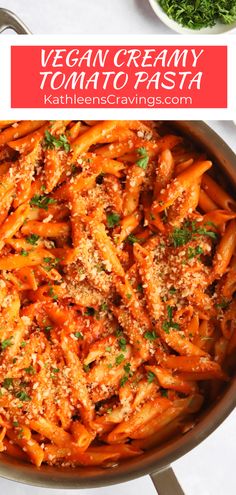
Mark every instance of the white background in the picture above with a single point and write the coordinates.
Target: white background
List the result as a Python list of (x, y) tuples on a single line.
[(210, 468)]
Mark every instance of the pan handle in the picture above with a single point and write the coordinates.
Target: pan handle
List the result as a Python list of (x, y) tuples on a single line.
[(166, 482), (9, 20)]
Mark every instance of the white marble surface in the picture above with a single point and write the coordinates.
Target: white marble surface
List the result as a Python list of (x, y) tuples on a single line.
[(88, 16), (208, 470)]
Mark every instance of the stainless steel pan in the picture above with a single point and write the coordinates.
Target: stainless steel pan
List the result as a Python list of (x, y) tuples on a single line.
[(156, 461), (9, 20)]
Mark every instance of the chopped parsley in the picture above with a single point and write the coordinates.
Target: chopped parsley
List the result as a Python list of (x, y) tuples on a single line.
[(132, 239), (196, 14), (52, 294), (172, 290), (142, 162), (23, 396), (123, 380), (128, 296), (104, 307), (164, 392), (150, 377), (42, 201), (139, 288), (193, 252), (32, 239), (30, 370), (223, 304), (189, 231), (128, 373), (23, 252), (120, 358), (122, 343), (150, 335), (51, 141), (86, 368), (7, 383), (50, 263), (78, 335), (15, 423), (167, 324), (6, 343), (113, 219)]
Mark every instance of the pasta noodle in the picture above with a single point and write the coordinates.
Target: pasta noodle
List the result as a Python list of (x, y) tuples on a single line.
[(117, 283)]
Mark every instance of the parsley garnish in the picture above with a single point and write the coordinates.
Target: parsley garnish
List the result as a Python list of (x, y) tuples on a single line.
[(181, 236), (7, 383), (23, 396), (222, 304), (104, 307), (164, 392), (143, 160), (150, 377), (51, 263), (128, 373), (132, 239), (123, 380), (30, 370), (172, 290), (23, 252), (150, 335), (113, 219), (52, 294), (192, 252), (120, 358), (32, 239), (51, 141), (167, 324), (15, 423), (7, 343), (86, 368), (196, 14), (42, 201), (78, 335), (122, 343)]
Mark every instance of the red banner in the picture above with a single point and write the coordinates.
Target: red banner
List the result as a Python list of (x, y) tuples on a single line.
[(118, 77)]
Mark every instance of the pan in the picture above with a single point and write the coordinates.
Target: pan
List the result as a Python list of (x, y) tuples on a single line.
[(156, 461)]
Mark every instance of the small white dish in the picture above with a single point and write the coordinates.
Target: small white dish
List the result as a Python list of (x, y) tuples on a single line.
[(219, 28)]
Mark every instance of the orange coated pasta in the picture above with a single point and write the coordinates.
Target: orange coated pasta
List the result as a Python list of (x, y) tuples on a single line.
[(117, 283)]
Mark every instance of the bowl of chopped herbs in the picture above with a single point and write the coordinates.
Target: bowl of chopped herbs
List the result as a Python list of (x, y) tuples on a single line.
[(197, 16)]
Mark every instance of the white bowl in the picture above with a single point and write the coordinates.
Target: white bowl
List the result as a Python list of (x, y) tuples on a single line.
[(219, 28)]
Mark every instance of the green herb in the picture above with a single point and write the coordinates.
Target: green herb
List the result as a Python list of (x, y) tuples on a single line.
[(118, 332), (120, 358), (196, 14), (42, 201), (90, 311), (108, 349), (32, 239), (86, 368), (181, 236), (23, 344), (150, 335), (23, 252), (172, 290), (52, 294), (132, 239), (7, 383), (51, 263), (6, 343), (30, 370), (128, 296), (122, 343), (140, 288), (79, 335), (22, 395), (164, 393), (51, 141), (113, 219), (167, 324), (143, 160), (15, 423), (150, 376), (192, 252), (104, 307), (55, 370), (223, 304), (48, 329), (123, 380), (127, 368)]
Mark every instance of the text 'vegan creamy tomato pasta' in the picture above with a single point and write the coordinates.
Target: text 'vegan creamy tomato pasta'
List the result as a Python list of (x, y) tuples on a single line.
[(117, 277)]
